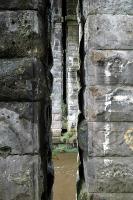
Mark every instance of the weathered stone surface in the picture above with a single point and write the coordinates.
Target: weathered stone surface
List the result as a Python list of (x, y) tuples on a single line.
[(72, 65), (56, 6), (110, 196), (109, 67), (109, 32), (110, 139), (22, 79), (21, 4), (71, 7), (106, 61), (57, 70), (124, 7), (82, 134), (110, 174), (19, 130), (110, 103), (25, 139), (20, 178), (24, 32)]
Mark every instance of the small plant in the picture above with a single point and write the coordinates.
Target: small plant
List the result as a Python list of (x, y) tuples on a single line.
[(83, 196), (63, 148), (64, 116)]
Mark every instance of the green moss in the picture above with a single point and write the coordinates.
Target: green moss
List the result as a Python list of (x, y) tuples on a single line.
[(82, 191), (83, 196), (69, 137), (64, 116), (63, 148), (23, 3)]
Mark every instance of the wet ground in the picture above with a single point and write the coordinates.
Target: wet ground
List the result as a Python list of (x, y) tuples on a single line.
[(65, 165)]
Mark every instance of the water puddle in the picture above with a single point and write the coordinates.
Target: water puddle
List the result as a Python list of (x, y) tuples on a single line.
[(65, 165)]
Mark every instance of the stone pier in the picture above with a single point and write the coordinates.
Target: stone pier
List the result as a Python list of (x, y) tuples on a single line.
[(107, 156), (72, 65), (57, 69), (25, 105)]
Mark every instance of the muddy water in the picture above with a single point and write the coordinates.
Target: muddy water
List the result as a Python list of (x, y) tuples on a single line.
[(65, 165)]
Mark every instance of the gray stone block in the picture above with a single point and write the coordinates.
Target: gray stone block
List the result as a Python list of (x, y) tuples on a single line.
[(109, 67), (22, 79), (109, 103), (109, 32), (21, 4), (124, 7), (21, 34), (19, 132), (110, 196), (20, 178), (110, 139), (110, 175), (56, 6)]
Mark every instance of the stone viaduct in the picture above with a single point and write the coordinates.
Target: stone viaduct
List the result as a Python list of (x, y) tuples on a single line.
[(89, 43)]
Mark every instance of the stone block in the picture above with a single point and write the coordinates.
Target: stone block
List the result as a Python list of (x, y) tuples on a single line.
[(109, 103), (109, 32), (21, 34), (56, 10), (20, 178), (109, 139), (19, 132), (71, 7), (93, 7), (109, 67), (22, 79), (21, 4), (110, 196), (109, 175)]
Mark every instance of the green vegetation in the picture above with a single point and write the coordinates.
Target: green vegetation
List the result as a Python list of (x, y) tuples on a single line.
[(83, 196), (82, 192), (64, 148), (69, 137), (64, 116)]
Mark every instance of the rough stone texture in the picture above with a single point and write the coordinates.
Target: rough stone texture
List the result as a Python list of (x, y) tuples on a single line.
[(110, 196), (109, 103), (25, 105), (109, 32), (71, 7), (56, 6), (22, 4), (110, 139), (20, 178), (57, 69), (124, 7), (110, 174), (24, 32), (19, 131), (22, 79), (109, 67), (72, 54), (106, 38), (65, 46)]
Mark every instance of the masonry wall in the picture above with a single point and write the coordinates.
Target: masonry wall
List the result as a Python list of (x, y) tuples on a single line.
[(72, 65), (65, 46), (57, 69), (107, 156), (25, 105)]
